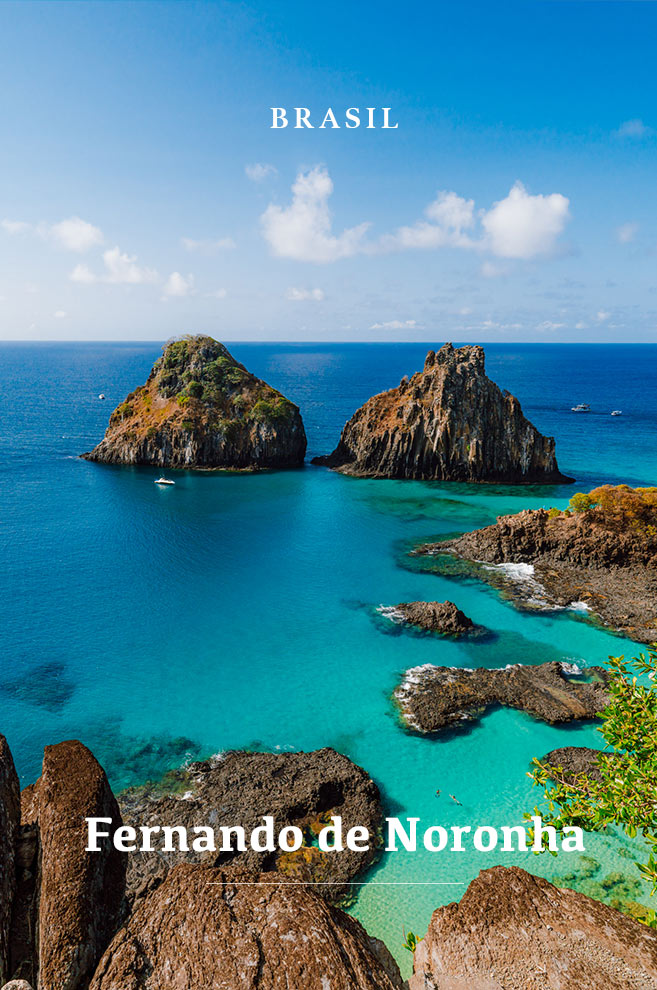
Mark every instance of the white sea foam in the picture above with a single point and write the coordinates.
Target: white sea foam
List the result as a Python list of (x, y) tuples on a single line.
[(571, 668), (580, 607), (392, 613)]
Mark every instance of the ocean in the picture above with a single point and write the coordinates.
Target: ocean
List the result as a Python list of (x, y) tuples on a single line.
[(237, 610)]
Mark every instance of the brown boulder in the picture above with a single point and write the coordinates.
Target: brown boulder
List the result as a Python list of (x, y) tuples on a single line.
[(10, 815), (450, 422), (432, 698), (207, 928), (239, 788), (514, 931), (80, 893)]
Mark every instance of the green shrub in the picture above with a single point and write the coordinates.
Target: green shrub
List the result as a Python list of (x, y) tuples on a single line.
[(195, 390), (554, 512), (183, 399), (580, 502), (176, 354)]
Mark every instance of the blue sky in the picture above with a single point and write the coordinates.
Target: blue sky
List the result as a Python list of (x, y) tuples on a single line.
[(144, 194)]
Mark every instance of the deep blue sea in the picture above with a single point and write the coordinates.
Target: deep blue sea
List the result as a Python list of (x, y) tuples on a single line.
[(237, 611)]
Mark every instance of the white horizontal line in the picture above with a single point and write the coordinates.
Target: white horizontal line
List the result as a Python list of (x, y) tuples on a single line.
[(324, 883)]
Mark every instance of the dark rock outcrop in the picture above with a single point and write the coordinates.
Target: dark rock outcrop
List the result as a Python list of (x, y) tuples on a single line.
[(200, 408), (576, 560), (572, 761), (10, 816), (514, 931), (204, 927), (80, 894), (432, 698), (440, 617), (449, 422), (302, 789)]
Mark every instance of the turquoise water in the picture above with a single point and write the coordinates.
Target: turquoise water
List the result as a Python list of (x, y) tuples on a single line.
[(239, 611)]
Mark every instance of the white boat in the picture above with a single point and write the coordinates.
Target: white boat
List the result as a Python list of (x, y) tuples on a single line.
[(101, 396), (617, 412), (581, 407), (164, 481)]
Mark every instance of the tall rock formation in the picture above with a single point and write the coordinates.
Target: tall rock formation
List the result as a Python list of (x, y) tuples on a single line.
[(10, 816), (80, 893), (206, 928), (200, 408), (514, 931), (449, 422)]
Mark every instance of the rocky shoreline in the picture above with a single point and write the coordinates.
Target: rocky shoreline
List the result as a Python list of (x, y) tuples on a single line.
[(567, 560), (73, 919), (432, 699)]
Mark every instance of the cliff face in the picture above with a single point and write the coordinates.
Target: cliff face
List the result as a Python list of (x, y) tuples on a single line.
[(514, 931), (449, 422), (201, 408)]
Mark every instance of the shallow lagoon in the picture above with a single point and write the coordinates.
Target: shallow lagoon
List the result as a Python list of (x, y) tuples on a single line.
[(238, 611)]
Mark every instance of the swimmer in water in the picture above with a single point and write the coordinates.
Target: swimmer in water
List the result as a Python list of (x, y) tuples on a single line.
[(455, 800)]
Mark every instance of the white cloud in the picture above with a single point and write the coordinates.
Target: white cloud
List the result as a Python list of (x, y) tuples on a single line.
[(74, 234), (395, 325), (525, 226), (217, 294), (449, 216), (60, 314), (602, 316), (259, 171), (303, 230), (178, 286), (520, 226), (627, 232), (120, 269), (298, 295), (208, 246), (581, 325), (549, 325), (14, 226), (633, 129)]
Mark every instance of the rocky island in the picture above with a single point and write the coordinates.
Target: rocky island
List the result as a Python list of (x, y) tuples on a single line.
[(444, 618), (200, 408), (449, 422), (601, 552), (434, 698)]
